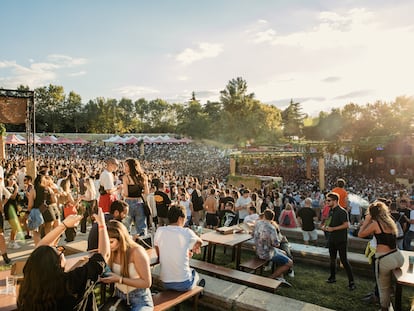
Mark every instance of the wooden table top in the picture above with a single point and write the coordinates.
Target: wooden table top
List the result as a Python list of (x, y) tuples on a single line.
[(232, 239), (405, 274)]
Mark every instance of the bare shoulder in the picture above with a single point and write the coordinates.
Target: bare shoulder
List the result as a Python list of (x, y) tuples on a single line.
[(139, 252)]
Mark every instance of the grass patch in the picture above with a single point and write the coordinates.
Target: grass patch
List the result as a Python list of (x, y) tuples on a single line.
[(309, 285)]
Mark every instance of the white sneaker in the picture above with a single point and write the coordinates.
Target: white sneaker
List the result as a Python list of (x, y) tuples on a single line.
[(268, 267), (14, 245), (284, 282), (291, 274)]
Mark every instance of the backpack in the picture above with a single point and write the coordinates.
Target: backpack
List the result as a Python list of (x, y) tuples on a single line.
[(400, 233), (286, 220)]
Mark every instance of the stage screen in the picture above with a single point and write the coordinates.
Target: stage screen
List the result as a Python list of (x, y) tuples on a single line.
[(13, 110)]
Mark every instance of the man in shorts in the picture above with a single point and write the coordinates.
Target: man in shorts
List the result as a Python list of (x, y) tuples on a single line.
[(307, 217), (267, 243)]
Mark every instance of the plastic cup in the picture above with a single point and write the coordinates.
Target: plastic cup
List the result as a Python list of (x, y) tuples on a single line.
[(11, 285)]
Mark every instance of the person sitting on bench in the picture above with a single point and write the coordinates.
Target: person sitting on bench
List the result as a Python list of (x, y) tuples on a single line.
[(175, 245), (267, 243)]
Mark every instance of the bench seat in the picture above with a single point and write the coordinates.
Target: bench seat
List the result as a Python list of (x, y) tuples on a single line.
[(240, 277), (168, 298), (254, 264)]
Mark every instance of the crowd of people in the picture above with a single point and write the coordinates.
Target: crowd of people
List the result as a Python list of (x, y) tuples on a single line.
[(178, 186)]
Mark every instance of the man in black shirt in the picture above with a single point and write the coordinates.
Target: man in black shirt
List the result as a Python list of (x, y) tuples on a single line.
[(307, 217), (337, 224), (162, 203), (118, 211)]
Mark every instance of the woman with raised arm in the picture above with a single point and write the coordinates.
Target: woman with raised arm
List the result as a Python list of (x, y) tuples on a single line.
[(378, 222), (46, 286)]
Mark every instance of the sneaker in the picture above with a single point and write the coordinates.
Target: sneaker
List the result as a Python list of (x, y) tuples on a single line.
[(372, 299), (27, 237), (368, 295), (201, 283), (14, 245), (284, 282), (268, 267), (291, 273), (351, 286), (331, 280)]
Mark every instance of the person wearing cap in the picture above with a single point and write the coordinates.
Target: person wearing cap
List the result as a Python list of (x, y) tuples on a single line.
[(107, 189)]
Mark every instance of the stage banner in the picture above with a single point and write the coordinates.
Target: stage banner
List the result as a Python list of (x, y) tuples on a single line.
[(13, 110)]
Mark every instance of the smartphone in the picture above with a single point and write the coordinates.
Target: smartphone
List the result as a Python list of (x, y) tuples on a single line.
[(106, 272)]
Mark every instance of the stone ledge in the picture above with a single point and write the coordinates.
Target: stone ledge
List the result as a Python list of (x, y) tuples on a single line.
[(223, 295)]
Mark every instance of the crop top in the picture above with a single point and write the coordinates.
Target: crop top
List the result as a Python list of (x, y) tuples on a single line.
[(389, 239)]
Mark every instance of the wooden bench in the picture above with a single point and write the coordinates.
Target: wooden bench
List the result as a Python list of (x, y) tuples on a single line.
[(168, 298), (254, 264), (249, 279)]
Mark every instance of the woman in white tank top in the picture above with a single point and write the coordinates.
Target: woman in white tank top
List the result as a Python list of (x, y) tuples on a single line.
[(130, 268)]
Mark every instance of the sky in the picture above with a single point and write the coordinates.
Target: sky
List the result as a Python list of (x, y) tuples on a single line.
[(323, 54)]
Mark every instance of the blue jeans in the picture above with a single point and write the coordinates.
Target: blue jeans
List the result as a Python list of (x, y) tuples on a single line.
[(184, 285), (140, 299), (136, 214)]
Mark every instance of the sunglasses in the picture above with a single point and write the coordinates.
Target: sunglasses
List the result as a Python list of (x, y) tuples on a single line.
[(328, 200)]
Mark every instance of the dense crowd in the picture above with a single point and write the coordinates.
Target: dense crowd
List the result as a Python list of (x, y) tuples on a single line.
[(183, 173)]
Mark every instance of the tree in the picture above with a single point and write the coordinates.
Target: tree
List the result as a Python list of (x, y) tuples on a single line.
[(234, 97), (192, 120), (292, 118), (72, 113), (49, 108)]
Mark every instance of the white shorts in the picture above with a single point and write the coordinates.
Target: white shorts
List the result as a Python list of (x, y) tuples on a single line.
[(310, 235)]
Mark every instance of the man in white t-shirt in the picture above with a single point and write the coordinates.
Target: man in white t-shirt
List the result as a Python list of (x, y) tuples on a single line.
[(175, 245), (108, 191), (243, 204), (252, 217)]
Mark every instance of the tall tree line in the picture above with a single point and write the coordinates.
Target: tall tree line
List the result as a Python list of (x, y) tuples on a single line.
[(236, 118)]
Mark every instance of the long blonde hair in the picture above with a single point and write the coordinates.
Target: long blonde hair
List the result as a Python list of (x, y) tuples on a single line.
[(380, 212), (117, 230)]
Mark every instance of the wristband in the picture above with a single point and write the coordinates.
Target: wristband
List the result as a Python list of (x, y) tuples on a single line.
[(66, 227), (101, 227), (120, 280)]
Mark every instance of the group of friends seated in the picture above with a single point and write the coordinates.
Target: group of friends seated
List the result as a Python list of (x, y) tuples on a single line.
[(118, 260)]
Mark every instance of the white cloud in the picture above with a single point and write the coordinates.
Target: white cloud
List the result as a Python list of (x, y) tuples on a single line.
[(353, 50), (182, 78), (334, 30), (77, 74), (205, 50), (65, 60), (37, 74), (134, 91)]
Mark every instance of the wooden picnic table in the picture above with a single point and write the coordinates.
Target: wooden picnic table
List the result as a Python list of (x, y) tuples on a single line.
[(233, 240)]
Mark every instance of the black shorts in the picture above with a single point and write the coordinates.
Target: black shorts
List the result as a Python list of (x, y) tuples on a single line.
[(52, 213), (211, 220)]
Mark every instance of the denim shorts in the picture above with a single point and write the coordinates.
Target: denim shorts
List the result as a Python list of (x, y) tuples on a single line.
[(35, 219), (280, 257), (140, 299), (184, 285)]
